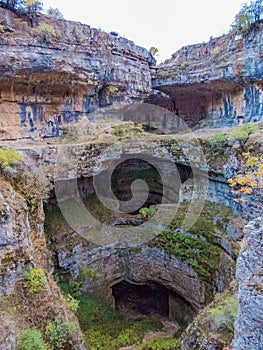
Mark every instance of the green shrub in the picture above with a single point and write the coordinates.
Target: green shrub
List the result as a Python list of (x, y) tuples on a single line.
[(128, 336), (243, 132), (163, 74), (54, 13), (119, 130), (147, 212), (224, 315), (72, 303), (218, 139), (88, 272), (46, 29), (9, 157), (160, 344), (96, 340), (2, 29), (31, 339), (34, 280), (112, 89), (58, 333)]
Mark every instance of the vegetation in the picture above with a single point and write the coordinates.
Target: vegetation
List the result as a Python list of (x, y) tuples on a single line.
[(199, 246), (54, 13), (72, 303), (35, 280), (46, 29), (9, 157), (251, 178), (58, 333), (243, 132), (31, 339), (160, 344), (154, 51), (162, 74), (249, 14), (239, 133), (104, 327), (130, 131), (224, 315), (33, 185), (147, 212), (112, 89)]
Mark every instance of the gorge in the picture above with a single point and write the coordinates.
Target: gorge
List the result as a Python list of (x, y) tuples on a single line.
[(121, 193)]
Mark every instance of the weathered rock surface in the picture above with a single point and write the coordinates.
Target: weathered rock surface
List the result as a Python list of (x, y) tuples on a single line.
[(216, 82), (48, 80), (23, 245), (248, 326)]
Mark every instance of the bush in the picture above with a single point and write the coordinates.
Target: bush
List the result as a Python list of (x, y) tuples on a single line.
[(218, 139), (96, 340), (160, 344), (72, 303), (127, 337), (119, 130), (46, 29), (88, 272), (35, 280), (31, 339), (224, 315), (54, 13), (243, 132), (9, 157), (112, 89), (147, 212), (58, 333)]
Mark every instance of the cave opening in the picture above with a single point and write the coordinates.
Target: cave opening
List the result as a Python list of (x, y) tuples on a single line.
[(151, 299)]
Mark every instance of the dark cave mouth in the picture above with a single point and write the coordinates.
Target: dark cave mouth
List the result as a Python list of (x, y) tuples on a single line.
[(151, 299)]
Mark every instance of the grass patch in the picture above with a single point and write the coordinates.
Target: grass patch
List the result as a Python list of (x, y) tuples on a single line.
[(199, 247), (160, 344), (104, 327), (9, 157), (224, 315)]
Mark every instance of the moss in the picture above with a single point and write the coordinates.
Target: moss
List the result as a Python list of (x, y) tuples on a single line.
[(160, 344), (104, 327), (199, 247)]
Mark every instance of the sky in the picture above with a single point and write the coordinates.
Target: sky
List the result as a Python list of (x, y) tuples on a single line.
[(167, 24)]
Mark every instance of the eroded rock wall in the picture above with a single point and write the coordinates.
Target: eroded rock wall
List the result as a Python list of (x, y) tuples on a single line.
[(23, 245), (248, 326), (47, 80), (214, 83)]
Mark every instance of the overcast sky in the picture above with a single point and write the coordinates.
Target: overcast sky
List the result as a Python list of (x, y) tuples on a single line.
[(167, 24)]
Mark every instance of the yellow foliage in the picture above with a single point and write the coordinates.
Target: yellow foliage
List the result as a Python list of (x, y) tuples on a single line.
[(251, 162), (253, 177)]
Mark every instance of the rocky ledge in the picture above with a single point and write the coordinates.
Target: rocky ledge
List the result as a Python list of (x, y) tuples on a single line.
[(216, 83), (51, 76)]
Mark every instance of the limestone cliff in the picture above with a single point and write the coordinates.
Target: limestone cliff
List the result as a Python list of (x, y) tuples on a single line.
[(23, 245), (248, 327), (50, 77), (214, 83)]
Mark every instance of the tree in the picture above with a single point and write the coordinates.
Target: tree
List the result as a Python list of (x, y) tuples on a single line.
[(248, 14), (154, 51), (250, 179), (33, 6), (55, 13)]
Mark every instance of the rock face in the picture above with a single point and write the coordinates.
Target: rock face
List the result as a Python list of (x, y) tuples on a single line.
[(248, 326), (49, 79), (17, 239), (23, 245), (217, 83)]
